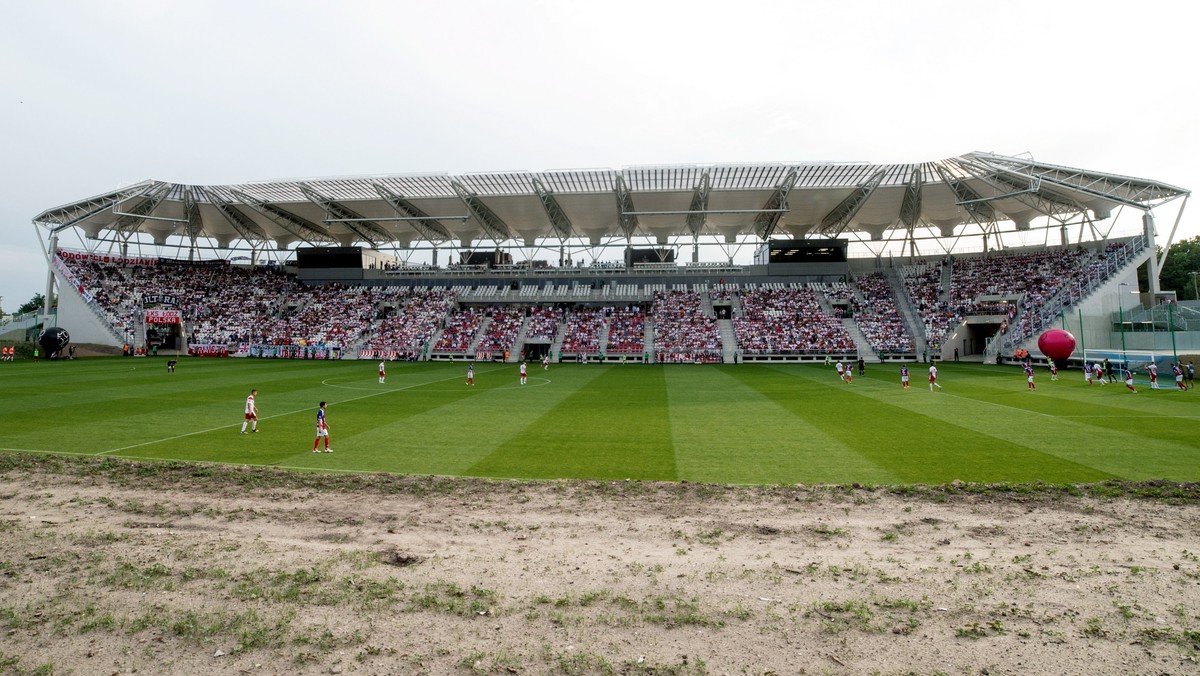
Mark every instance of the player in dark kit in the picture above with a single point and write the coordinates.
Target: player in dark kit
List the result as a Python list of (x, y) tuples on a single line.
[(1128, 375), (322, 430)]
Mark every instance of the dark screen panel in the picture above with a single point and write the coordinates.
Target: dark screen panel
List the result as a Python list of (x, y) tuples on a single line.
[(329, 257), (808, 251)]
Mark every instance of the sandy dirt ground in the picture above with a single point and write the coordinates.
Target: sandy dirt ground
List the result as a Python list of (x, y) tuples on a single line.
[(118, 568)]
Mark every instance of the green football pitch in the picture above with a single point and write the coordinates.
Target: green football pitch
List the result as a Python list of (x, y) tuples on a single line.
[(747, 424)]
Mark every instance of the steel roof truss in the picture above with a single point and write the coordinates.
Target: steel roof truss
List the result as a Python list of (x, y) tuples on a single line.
[(429, 228), (492, 224), (775, 206), (625, 211), (910, 208), (837, 220), (299, 227), (191, 213), (558, 218), (1025, 188), (1125, 190), (370, 231), (129, 221), (696, 219), (245, 227), (979, 210)]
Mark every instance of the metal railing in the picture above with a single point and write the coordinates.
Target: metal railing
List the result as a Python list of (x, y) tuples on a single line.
[(1071, 293)]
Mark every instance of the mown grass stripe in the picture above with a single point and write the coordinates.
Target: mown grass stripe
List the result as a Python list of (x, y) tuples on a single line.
[(744, 424), (749, 435), (925, 437), (612, 427)]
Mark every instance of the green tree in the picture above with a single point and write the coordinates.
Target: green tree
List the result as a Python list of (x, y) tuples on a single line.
[(1183, 258), (32, 304)]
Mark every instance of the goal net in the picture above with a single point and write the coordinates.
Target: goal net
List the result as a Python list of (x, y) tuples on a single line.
[(1136, 361)]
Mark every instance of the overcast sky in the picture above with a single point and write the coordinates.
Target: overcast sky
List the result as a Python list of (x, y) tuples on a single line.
[(96, 95)]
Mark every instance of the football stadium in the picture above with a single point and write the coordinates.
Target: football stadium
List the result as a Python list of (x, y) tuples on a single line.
[(743, 323), (763, 419)]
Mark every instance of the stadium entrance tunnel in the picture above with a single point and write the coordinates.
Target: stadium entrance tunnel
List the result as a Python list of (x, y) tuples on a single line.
[(535, 351), (972, 338)]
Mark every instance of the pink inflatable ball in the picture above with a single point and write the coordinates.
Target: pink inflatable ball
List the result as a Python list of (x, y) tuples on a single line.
[(1056, 343)]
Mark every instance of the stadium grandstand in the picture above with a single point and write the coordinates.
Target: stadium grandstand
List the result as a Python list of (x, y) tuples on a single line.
[(969, 257)]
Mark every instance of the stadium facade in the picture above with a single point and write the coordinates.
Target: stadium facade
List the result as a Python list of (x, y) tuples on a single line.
[(603, 236)]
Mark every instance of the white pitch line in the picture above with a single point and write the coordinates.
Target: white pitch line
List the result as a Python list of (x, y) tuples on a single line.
[(1148, 416), (38, 450), (277, 415)]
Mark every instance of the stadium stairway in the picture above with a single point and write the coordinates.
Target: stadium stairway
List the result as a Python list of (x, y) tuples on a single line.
[(556, 346), (860, 342), (728, 340), (602, 343), (823, 301), (433, 339), (912, 321), (648, 348), (518, 347), (478, 338), (947, 281)]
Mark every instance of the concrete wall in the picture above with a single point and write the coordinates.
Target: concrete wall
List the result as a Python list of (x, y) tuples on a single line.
[(74, 315)]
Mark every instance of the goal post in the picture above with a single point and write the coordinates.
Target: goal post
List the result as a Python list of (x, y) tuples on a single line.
[(1136, 361)]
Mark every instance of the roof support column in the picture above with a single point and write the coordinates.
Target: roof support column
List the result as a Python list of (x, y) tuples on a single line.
[(1152, 264), (51, 253)]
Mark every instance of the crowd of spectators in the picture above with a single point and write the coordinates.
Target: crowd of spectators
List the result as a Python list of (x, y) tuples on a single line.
[(1078, 272), (111, 292), (459, 331), (682, 327), (407, 333), (330, 315), (923, 282), (236, 305), (1013, 286), (878, 318), (501, 334), (581, 334), (222, 303), (788, 321), (626, 332), (543, 325), (723, 291)]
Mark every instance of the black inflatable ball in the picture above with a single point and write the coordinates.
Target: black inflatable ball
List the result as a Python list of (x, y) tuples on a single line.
[(53, 339)]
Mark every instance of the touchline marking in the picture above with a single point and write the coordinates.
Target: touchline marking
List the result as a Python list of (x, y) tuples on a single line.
[(1136, 417), (39, 450), (277, 415)]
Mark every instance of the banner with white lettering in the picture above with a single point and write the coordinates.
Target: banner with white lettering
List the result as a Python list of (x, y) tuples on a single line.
[(106, 258), (163, 316), (160, 299)]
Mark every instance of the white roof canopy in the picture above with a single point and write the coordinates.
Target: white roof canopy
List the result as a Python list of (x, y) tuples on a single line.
[(826, 199)]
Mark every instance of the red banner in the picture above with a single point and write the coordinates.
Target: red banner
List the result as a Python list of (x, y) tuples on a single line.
[(163, 316), (105, 258)]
